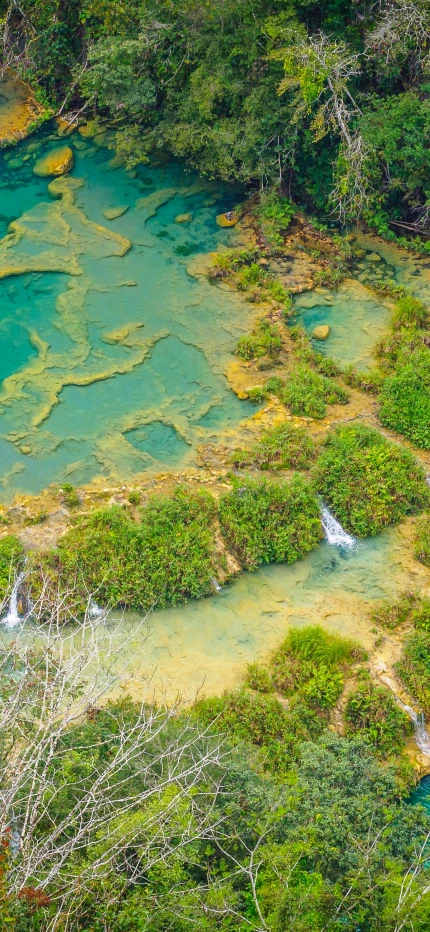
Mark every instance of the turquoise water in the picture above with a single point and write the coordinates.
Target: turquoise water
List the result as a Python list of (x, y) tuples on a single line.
[(112, 355), (357, 317), (421, 795)]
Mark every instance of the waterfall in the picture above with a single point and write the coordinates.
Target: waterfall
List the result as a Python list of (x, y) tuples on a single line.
[(422, 736), (12, 618), (333, 531), (216, 585)]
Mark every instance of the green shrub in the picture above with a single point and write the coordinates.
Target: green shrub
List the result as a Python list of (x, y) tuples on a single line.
[(369, 482), (372, 712), (309, 660), (274, 214), (410, 312), (11, 561), (134, 497), (258, 678), (307, 393), (281, 447), (422, 540), (264, 520), (164, 559), (391, 614), (71, 497), (263, 341), (414, 668), (405, 400)]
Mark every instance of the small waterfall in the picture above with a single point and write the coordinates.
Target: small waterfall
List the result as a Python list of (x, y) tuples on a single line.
[(12, 618), (422, 736), (95, 611), (333, 531), (216, 584)]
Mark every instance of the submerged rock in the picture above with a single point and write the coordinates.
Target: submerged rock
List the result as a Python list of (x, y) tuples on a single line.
[(321, 332), (112, 213), (227, 220), (58, 161), (183, 218)]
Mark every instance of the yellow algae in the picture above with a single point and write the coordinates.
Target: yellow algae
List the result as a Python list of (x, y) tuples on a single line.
[(153, 201), (58, 161), (18, 109)]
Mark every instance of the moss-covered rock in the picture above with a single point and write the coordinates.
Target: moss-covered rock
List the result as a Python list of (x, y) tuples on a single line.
[(58, 161)]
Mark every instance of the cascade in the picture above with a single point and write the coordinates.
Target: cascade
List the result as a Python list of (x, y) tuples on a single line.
[(334, 532), (12, 618), (422, 736)]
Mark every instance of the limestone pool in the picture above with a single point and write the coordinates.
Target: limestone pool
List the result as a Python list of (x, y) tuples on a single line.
[(112, 356)]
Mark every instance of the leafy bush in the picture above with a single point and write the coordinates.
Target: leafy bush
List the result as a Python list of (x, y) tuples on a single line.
[(307, 393), (369, 482), (422, 540), (405, 400), (391, 614), (264, 520), (281, 447), (372, 712), (264, 340), (274, 214), (410, 312), (309, 660), (165, 559), (414, 668), (11, 560)]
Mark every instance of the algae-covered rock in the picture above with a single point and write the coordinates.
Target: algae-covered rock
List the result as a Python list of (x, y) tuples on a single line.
[(112, 213), (58, 161), (227, 220), (15, 163), (321, 332), (183, 218)]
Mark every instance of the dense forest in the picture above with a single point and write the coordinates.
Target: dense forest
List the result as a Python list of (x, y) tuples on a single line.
[(329, 99), (284, 804)]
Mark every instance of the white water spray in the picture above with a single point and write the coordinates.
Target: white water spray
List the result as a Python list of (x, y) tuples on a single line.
[(12, 619), (422, 736), (334, 532), (216, 585)]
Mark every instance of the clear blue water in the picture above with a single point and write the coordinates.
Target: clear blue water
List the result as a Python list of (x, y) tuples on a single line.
[(112, 355)]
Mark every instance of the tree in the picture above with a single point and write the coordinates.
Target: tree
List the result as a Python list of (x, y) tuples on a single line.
[(91, 793)]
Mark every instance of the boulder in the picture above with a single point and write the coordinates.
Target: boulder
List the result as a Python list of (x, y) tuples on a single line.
[(373, 257), (321, 332), (227, 220), (58, 161), (183, 218), (112, 213)]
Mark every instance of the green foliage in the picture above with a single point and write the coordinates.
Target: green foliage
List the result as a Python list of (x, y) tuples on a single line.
[(414, 667), (266, 521), (422, 540), (71, 497), (311, 661), (307, 393), (134, 497), (369, 482), (372, 712), (166, 558), (274, 214), (264, 340), (11, 561), (391, 614), (405, 399), (282, 447)]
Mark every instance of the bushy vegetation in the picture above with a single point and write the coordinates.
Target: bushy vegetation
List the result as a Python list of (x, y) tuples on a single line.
[(414, 667), (165, 558), (368, 481), (307, 393), (313, 98), (405, 359), (422, 540), (11, 560), (372, 712), (263, 341), (284, 446), (266, 521)]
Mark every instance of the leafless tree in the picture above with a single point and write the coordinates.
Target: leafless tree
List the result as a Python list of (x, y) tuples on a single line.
[(150, 794), (401, 24), (320, 69)]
